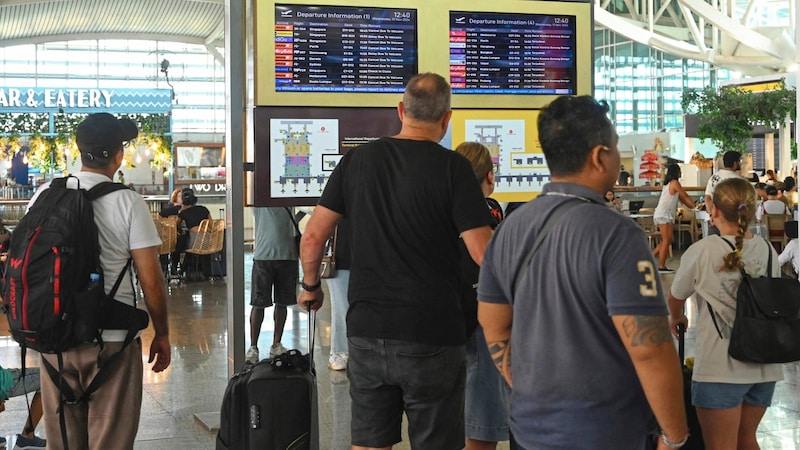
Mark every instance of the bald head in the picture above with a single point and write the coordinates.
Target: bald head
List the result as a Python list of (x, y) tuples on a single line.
[(427, 97)]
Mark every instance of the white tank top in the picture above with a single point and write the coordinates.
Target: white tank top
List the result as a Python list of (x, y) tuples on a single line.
[(667, 203)]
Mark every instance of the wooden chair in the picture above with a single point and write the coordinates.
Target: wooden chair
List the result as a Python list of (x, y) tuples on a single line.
[(687, 222), (651, 231), (208, 241), (775, 227), (168, 232)]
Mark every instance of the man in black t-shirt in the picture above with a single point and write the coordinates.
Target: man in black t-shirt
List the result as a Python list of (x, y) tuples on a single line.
[(190, 215), (407, 200)]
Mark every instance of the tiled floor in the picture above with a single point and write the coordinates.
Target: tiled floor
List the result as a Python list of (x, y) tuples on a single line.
[(197, 377)]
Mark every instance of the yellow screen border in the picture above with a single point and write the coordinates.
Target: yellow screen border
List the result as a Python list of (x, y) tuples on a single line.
[(432, 46)]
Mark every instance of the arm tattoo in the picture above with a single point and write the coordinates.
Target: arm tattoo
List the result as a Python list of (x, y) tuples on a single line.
[(501, 355), (647, 330)]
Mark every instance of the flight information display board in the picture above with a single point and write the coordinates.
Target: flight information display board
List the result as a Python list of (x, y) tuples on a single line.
[(502, 53), (344, 49)]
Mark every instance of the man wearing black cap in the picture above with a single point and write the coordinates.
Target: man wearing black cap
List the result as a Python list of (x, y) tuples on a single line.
[(125, 230)]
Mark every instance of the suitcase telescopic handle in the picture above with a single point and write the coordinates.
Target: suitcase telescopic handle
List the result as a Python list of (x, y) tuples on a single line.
[(682, 343), (312, 325)]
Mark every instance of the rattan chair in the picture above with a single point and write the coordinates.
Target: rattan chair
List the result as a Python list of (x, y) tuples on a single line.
[(208, 241), (168, 232)]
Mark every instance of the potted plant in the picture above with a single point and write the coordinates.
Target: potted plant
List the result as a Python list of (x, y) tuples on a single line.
[(727, 116)]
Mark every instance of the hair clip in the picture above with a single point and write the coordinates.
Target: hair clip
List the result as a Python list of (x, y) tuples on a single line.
[(742, 206)]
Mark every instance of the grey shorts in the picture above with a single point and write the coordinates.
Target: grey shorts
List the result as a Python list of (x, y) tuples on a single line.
[(388, 377), (24, 386), (280, 275)]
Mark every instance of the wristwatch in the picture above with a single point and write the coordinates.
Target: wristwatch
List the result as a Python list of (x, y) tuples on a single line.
[(310, 288)]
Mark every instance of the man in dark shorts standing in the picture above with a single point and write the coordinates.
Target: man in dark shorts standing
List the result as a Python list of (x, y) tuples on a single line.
[(407, 200), (274, 269)]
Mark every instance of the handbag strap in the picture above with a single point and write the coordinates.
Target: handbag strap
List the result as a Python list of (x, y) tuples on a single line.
[(332, 243), (294, 222), (552, 218)]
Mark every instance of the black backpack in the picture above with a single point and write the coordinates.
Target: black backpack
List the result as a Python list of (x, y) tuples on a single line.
[(53, 289), (53, 251)]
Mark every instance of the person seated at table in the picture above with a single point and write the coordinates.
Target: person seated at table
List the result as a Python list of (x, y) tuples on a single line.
[(769, 177), (175, 203), (761, 194), (190, 214), (664, 215), (613, 201), (772, 205), (790, 191)]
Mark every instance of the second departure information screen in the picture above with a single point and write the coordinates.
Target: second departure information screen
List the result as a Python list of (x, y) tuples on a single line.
[(505, 53), (344, 49)]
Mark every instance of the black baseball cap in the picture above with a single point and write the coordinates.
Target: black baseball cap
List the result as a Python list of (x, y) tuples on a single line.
[(101, 135)]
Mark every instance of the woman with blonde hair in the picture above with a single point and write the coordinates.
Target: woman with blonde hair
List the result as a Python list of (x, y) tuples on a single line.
[(730, 396), (487, 394)]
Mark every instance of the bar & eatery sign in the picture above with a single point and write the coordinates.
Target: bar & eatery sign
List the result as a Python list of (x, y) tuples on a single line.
[(87, 100)]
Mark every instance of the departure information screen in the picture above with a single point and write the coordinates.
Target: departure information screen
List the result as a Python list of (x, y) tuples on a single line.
[(502, 53), (344, 49)]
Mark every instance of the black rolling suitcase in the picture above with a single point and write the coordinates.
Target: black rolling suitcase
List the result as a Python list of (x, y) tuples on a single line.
[(272, 405), (695, 441)]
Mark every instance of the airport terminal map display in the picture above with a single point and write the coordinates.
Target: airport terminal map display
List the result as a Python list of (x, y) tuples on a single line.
[(344, 49), (503, 53), (310, 151)]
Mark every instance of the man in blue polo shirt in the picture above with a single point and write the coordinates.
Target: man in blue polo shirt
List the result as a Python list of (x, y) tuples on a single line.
[(591, 354)]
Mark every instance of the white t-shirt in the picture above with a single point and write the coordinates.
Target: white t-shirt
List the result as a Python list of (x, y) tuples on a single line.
[(791, 253), (123, 223), (699, 274), (772, 207), (715, 179)]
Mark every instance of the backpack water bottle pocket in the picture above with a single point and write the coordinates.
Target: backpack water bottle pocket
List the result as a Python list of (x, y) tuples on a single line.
[(88, 309)]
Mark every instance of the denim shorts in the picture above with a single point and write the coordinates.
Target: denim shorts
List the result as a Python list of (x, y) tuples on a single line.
[(30, 384), (282, 275), (729, 395), (487, 395), (388, 377)]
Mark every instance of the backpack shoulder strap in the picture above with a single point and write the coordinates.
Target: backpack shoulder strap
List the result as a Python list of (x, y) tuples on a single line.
[(104, 188)]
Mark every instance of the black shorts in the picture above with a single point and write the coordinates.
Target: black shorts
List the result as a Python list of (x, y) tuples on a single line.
[(282, 275)]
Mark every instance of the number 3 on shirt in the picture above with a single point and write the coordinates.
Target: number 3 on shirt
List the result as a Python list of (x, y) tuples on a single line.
[(649, 288)]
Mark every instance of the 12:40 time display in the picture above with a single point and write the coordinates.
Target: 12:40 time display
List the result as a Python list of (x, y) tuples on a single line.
[(564, 20), (404, 15)]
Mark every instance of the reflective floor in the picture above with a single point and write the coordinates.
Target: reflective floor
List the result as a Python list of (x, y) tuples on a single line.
[(196, 380)]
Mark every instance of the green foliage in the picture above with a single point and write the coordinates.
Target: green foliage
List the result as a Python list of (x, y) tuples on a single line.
[(50, 145), (728, 116)]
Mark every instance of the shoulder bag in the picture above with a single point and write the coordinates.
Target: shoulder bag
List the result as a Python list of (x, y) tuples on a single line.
[(767, 325), (327, 269)]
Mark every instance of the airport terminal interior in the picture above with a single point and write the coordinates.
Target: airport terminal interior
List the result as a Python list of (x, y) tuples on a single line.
[(196, 380), (166, 64)]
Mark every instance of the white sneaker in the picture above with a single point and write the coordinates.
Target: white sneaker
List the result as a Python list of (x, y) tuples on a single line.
[(277, 349), (338, 361), (252, 355)]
